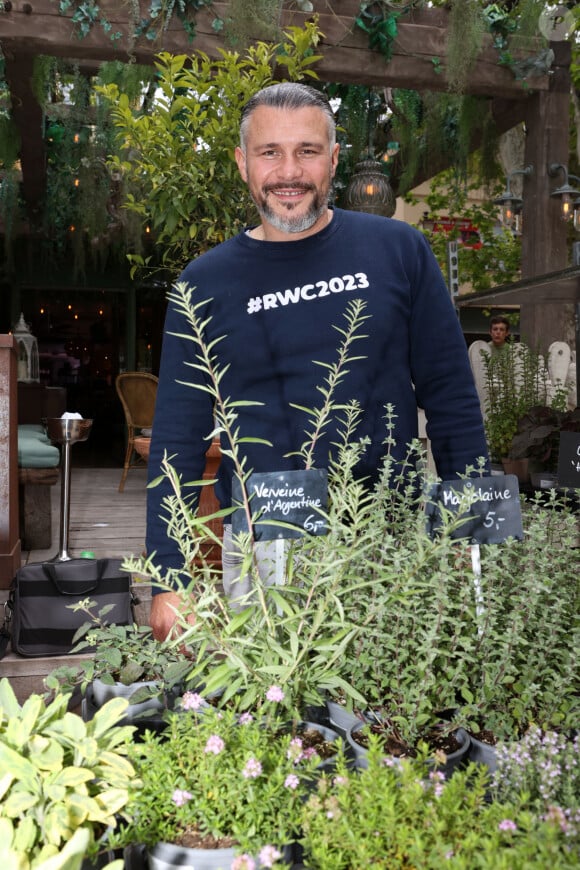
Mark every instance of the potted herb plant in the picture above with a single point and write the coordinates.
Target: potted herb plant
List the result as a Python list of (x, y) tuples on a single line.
[(405, 814), (324, 630), (61, 780), (538, 438), (520, 666), (546, 766), (218, 789), (516, 380), (126, 661)]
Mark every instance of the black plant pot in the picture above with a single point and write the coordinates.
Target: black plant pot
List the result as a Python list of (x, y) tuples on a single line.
[(453, 760)]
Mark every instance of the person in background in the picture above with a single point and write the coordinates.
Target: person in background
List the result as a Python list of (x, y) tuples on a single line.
[(275, 295), (499, 330)]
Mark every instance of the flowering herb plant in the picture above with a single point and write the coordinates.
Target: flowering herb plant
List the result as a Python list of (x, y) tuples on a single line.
[(219, 779), (546, 767), (401, 814)]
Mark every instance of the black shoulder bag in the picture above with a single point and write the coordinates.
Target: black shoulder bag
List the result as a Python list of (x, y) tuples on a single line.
[(38, 616)]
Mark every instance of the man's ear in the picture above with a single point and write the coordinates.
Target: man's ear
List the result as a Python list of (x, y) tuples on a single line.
[(241, 161), (334, 158)]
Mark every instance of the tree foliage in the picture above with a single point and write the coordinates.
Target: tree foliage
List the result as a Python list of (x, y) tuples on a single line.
[(178, 159)]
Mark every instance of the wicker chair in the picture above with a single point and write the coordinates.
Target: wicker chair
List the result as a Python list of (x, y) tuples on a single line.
[(137, 392)]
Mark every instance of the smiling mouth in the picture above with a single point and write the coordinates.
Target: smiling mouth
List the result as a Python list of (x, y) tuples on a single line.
[(288, 190)]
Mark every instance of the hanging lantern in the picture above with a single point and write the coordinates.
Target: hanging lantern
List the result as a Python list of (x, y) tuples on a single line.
[(369, 190), (28, 370)]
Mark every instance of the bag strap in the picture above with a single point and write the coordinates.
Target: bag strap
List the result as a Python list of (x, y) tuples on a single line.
[(76, 576), (5, 630)]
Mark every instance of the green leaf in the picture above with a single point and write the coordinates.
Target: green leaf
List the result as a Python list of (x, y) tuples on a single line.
[(107, 716), (9, 705), (20, 768)]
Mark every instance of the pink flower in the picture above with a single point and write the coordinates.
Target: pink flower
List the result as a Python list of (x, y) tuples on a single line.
[(214, 744), (243, 862), (339, 780), (437, 778), (268, 856), (275, 693), (310, 752), (295, 750), (245, 719), (181, 797), (191, 701), (507, 825), (291, 781), (252, 769)]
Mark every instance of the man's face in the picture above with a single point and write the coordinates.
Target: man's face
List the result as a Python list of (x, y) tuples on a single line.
[(499, 333), (288, 167)]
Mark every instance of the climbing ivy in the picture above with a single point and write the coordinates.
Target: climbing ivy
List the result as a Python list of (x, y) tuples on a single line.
[(88, 14), (379, 21)]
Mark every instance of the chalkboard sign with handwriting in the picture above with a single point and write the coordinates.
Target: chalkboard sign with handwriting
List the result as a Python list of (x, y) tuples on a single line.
[(485, 509), (285, 504), (569, 460)]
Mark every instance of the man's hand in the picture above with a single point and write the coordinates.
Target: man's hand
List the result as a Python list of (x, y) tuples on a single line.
[(164, 610)]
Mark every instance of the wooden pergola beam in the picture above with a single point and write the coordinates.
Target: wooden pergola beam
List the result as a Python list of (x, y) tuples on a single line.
[(38, 28), (27, 30)]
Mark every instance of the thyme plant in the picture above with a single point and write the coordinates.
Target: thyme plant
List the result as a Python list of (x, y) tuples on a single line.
[(515, 381), (407, 815)]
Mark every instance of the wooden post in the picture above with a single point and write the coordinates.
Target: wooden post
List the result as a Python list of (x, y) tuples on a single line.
[(544, 239), (9, 539)]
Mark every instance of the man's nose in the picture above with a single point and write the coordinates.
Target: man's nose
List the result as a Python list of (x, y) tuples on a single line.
[(289, 167)]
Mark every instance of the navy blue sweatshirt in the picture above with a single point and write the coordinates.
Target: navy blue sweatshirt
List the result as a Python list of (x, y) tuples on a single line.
[(276, 305)]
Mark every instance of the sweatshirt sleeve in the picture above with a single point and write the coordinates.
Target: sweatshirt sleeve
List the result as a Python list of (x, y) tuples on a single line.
[(182, 423), (441, 372)]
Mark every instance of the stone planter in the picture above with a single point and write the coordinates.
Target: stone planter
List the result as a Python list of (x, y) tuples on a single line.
[(142, 605)]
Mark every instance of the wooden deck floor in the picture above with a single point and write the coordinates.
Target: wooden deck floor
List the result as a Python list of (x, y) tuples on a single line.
[(102, 519)]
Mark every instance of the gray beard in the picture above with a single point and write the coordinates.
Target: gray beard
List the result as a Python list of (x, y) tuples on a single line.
[(293, 224), (290, 223)]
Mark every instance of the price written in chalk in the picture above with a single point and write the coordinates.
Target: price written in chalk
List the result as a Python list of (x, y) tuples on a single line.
[(485, 510), (284, 504)]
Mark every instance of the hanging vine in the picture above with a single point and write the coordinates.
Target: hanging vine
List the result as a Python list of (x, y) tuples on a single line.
[(464, 41), (83, 214), (248, 20), (379, 21)]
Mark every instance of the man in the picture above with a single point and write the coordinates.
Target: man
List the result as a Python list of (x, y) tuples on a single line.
[(276, 294), (499, 330)]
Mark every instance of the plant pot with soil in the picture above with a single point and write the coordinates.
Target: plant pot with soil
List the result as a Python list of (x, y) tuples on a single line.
[(226, 783), (127, 662)]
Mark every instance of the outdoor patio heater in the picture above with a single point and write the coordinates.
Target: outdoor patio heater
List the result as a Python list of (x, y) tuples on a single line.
[(66, 431)]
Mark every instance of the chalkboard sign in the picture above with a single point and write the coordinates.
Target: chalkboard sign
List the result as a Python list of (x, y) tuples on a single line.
[(286, 504), (569, 460), (486, 508)]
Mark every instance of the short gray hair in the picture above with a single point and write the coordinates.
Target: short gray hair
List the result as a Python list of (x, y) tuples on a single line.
[(288, 95)]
